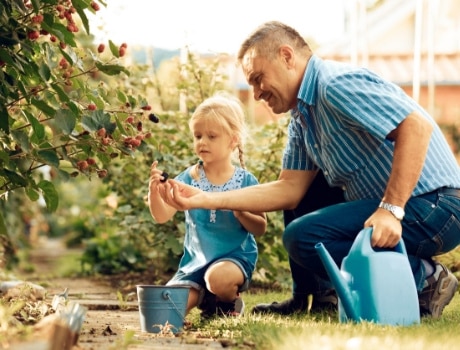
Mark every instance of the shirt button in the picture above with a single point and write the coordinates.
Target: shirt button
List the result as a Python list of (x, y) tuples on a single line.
[(316, 145), (326, 173)]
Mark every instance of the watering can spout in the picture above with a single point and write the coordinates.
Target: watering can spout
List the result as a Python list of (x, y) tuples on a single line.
[(341, 285)]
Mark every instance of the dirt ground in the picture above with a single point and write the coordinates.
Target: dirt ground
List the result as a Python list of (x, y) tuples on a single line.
[(109, 323)]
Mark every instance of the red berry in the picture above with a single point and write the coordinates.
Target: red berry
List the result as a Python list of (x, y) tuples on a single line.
[(125, 45), (37, 19), (95, 6), (33, 35), (146, 108), (135, 142), (82, 165), (101, 48), (121, 51), (102, 173), (92, 107), (101, 132), (130, 119), (53, 38)]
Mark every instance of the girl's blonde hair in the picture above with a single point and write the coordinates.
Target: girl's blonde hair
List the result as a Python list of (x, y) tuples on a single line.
[(226, 111)]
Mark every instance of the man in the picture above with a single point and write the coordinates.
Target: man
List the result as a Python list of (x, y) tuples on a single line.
[(367, 137)]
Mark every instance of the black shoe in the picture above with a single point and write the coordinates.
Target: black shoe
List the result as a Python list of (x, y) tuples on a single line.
[(231, 309), (208, 305), (288, 307), (211, 307), (326, 301), (442, 285)]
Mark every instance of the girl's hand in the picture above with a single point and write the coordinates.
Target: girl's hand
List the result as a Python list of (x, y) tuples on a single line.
[(156, 176)]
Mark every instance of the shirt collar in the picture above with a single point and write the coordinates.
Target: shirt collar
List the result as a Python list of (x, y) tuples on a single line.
[(307, 91)]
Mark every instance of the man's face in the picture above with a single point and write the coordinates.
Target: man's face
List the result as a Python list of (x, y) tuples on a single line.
[(271, 81)]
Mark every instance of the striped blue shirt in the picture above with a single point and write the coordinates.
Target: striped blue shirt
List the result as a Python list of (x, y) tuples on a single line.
[(340, 124)]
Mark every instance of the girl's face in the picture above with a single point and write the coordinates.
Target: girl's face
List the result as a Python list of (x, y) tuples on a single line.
[(211, 142)]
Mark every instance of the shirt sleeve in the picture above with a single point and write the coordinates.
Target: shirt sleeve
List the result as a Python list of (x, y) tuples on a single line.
[(368, 102)]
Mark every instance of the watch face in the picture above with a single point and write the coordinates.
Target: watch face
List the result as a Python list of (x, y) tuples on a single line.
[(398, 212)]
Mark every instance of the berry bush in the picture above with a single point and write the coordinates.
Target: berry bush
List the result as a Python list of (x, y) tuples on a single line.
[(59, 118)]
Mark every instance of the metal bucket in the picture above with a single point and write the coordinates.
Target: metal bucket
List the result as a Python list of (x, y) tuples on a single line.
[(162, 308)]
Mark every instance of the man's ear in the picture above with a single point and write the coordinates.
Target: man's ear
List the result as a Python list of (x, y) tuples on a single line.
[(287, 55)]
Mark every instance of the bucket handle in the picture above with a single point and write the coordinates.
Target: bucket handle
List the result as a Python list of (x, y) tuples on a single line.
[(167, 296)]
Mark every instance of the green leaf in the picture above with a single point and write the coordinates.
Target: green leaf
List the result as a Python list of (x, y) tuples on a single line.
[(63, 97), (114, 49), (44, 107), (37, 127), (49, 194), (14, 177), (32, 194), (111, 69), (96, 120), (64, 175), (49, 157), (22, 139), (58, 29), (80, 6), (65, 120), (4, 125), (45, 72), (121, 96)]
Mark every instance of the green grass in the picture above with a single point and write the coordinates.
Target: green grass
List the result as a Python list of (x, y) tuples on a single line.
[(326, 332)]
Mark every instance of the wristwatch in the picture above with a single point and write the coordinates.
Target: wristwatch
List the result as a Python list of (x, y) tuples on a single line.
[(397, 212)]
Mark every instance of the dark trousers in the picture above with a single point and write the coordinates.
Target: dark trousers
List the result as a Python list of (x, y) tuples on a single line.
[(319, 195)]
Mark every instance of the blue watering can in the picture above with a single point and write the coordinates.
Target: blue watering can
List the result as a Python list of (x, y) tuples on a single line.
[(373, 285)]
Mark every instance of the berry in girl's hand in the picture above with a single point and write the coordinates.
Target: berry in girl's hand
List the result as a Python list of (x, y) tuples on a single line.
[(165, 176)]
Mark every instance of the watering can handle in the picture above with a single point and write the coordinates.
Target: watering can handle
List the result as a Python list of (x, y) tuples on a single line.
[(366, 234)]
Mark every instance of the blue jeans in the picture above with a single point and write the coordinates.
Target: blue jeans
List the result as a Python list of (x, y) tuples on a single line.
[(431, 227)]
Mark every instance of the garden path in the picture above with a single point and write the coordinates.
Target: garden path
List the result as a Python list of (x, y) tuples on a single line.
[(108, 321)]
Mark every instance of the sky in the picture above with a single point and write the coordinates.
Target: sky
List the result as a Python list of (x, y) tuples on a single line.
[(214, 26)]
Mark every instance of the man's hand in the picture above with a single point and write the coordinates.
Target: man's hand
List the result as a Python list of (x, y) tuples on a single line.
[(181, 196), (386, 229)]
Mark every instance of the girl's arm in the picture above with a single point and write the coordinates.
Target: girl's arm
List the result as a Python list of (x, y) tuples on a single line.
[(256, 223), (160, 210)]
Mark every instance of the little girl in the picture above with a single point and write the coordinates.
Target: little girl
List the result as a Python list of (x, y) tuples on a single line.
[(220, 251)]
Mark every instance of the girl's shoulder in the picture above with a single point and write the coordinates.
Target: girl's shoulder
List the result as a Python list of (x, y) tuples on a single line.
[(247, 177), (185, 176)]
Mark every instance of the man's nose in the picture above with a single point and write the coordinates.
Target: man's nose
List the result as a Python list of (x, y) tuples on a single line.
[(257, 93)]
